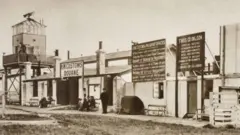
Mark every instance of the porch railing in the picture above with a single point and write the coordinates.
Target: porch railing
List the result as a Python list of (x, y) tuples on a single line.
[(20, 58)]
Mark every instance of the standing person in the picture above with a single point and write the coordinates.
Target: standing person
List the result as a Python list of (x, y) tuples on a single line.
[(104, 99)]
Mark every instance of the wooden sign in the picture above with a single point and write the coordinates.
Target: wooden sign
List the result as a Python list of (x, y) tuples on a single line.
[(71, 69), (148, 61), (191, 52)]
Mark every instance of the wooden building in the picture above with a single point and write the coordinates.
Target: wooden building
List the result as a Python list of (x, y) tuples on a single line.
[(100, 70)]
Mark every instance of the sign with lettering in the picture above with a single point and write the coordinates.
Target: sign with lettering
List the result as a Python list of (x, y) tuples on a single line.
[(148, 61), (71, 69), (191, 52)]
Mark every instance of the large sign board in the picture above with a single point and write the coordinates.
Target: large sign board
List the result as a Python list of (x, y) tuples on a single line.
[(71, 69), (191, 52), (148, 61)]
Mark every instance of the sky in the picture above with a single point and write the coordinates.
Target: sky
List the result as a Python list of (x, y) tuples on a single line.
[(78, 25)]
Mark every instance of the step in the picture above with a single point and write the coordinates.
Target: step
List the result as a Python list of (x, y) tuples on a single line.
[(222, 118)]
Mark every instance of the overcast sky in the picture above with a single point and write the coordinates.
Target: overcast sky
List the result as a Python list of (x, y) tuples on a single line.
[(78, 25)]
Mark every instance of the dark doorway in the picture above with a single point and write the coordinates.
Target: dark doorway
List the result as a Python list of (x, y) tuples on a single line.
[(73, 91), (108, 84), (192, 97), (62, 92)]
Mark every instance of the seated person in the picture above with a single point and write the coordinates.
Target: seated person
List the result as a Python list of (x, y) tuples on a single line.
[(50, 99), (85, 105), (92, 102), (43, 103), (80, 104)]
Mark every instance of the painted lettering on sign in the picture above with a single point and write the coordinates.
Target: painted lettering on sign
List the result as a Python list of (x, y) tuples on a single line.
[(148, 61), (71, 69), (191, 52)]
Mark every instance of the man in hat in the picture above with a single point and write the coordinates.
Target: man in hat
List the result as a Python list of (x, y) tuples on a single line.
[(104, 99)]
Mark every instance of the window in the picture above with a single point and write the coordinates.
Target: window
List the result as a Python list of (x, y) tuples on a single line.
[(158, 90), (35, 89), (209, 88)]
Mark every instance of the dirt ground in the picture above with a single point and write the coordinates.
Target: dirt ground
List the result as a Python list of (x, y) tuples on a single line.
[(25, 117), (96, 125)]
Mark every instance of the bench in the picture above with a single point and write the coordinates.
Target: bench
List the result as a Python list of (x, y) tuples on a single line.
[(201, 114), (156, 110)]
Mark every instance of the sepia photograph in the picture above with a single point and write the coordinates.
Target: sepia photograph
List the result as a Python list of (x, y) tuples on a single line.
[(119, 67)]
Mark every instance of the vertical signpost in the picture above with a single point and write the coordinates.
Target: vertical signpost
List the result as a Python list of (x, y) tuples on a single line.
[(148, 61), (190, 56)]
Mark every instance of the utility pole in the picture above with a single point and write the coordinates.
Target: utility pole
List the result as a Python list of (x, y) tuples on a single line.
[(222, 56), (4, 91), (3, 96)]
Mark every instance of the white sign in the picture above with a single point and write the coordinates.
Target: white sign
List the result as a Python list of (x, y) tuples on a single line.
[(71, 69)]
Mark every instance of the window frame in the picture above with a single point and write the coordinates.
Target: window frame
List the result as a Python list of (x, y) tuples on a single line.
[(160, 87)]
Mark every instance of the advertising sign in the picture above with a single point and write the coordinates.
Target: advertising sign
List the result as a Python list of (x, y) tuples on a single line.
[(191, 52), (71, 69), (148, 61)]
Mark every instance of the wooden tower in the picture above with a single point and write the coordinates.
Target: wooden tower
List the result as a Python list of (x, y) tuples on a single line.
[(28, 46)]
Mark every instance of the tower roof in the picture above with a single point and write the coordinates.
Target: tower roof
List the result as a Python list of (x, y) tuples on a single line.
[(32, 22)]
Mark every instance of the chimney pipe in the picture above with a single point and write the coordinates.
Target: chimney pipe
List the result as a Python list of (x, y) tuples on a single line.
[(100, 45), (56, 52), (68, 55)]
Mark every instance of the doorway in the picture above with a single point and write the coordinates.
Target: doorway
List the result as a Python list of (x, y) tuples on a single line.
[(192, 97), (62, 92), (73, 91), (94, 90)]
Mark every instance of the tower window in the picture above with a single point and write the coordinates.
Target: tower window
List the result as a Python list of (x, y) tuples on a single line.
[(34, 40)]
